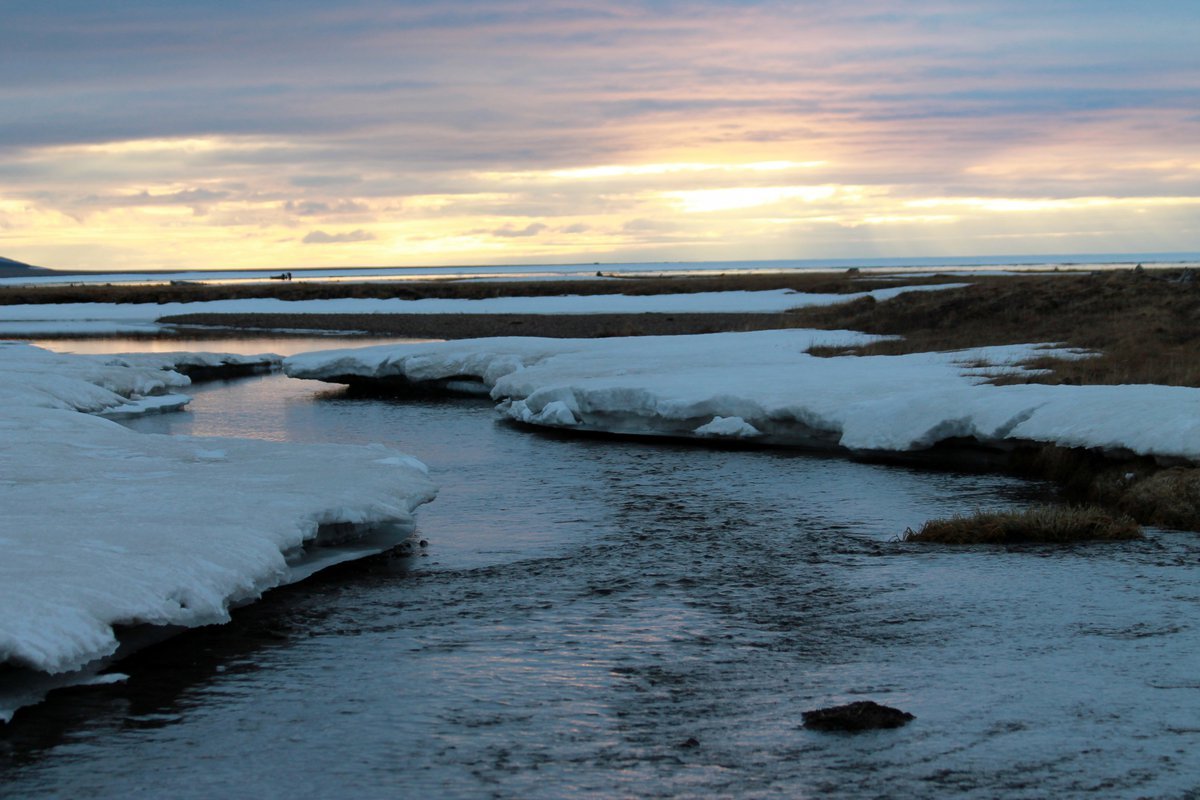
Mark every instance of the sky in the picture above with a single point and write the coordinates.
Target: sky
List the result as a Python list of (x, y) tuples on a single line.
[(162, 134)]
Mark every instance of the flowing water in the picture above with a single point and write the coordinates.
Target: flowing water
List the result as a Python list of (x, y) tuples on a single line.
[(610, 618)]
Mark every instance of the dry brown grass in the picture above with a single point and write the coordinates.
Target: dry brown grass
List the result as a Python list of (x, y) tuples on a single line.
[(1169, 497), (470, 326), (1146, 325), (1137, 486), (1048, 524)]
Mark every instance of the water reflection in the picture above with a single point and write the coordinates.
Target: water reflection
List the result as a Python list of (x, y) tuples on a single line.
[(588, 606)]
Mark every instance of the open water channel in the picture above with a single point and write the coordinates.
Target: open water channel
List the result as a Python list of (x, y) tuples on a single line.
[(586, 606)]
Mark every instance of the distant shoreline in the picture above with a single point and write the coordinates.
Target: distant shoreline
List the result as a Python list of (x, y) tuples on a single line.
[(582, 269)]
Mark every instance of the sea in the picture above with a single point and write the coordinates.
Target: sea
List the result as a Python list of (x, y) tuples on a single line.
[(946, 265)]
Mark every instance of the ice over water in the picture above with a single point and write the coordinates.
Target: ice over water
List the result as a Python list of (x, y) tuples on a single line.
[(104, 527), (764, 386)]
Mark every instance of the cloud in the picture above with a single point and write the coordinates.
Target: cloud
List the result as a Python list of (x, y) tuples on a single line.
[(321, 237), (466, 115), (648, 226), (311, 208), (185, 197), (508, 232), (321, 181)]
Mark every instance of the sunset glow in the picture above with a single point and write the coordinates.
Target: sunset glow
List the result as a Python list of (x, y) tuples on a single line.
[(393, 134)]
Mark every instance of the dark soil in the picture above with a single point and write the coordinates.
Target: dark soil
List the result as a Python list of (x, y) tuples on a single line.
[(470, 326)]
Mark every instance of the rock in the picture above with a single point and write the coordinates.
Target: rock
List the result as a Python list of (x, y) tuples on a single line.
[(690, 743), (864, 715)]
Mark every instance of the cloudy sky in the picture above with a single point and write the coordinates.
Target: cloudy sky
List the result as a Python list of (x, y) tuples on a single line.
[(276, 133)]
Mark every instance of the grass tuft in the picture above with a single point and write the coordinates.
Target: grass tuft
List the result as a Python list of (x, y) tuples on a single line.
[(1168, 497), (1054, 524)]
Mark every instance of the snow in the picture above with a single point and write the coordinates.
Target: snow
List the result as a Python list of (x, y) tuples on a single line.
[(764, 385), (104, 527), (105, 384), (728, 427), (94, 318)]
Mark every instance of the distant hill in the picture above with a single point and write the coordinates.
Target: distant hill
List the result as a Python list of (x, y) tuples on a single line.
[(18, 269)]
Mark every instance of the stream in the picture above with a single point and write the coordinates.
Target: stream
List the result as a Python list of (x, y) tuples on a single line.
[(586, 606)]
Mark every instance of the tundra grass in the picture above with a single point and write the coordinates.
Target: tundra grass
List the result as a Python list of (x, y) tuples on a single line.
[(1145, 326), (1050, 524)]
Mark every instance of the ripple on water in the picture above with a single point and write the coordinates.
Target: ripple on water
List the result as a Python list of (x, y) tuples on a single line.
[(611, 618)]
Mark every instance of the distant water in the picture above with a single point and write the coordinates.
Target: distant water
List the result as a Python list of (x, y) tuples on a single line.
[(588, 606), (1088, 261)]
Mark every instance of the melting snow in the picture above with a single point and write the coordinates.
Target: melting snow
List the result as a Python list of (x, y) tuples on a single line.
[(105, 527), (763, 383)]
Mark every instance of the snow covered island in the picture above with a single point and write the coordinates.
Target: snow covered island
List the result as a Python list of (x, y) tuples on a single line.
[(764, 386), (108, 535)]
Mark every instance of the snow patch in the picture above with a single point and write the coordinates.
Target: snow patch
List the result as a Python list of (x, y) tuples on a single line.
[(728, 427), (104, 527), (679, 385)]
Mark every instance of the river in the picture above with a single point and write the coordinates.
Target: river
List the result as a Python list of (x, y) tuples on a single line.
[(587, 606)]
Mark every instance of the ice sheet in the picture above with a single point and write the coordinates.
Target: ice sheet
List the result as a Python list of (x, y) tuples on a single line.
[(763, 385)]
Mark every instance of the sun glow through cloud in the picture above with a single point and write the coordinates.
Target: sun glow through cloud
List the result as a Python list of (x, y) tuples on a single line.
[(594, 133)]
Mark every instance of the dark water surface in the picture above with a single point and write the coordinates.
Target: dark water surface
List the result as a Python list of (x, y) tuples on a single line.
[(587, 606)]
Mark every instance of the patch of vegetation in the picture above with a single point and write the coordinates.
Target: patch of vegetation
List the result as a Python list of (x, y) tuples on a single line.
[(1136, 486), (470, 326), (1145, 325), (1169, 497), (1053, 524)]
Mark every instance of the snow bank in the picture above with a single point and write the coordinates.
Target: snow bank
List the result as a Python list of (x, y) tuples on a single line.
[(112, 385), (44, 319), (762, 386), (103, 527)]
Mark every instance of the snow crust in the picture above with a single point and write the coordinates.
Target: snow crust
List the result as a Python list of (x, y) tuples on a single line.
[(763, 385), (104, 527), (44, 319)]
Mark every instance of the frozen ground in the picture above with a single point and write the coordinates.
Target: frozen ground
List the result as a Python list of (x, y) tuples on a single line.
[(97, 318), (762, 386), (106, 529)]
